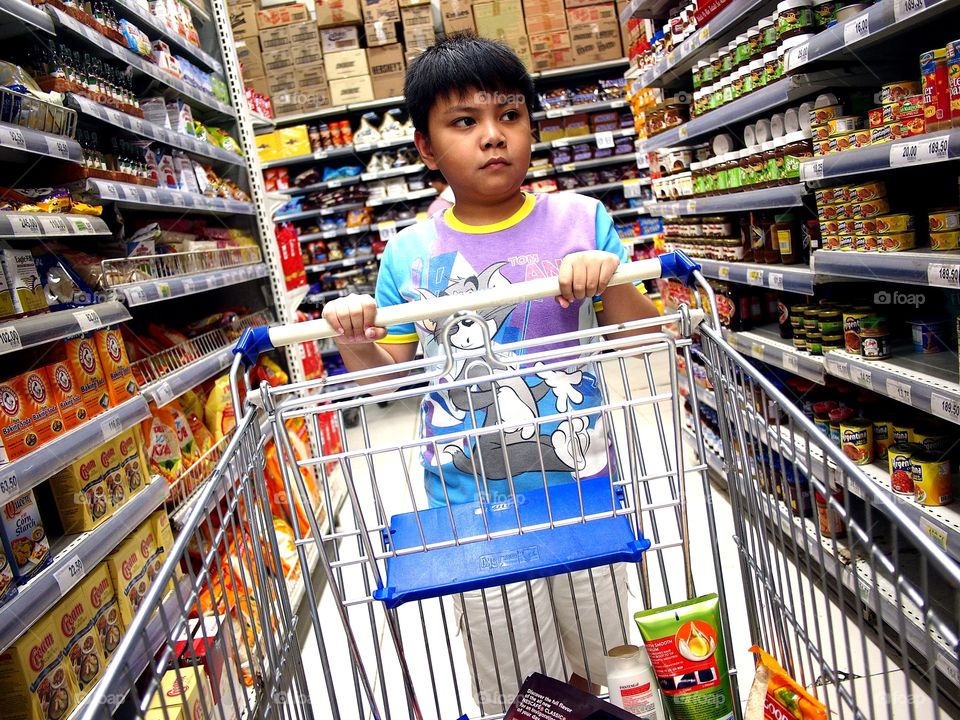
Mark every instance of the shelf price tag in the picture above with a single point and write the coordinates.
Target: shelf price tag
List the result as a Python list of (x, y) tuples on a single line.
[(756, 349), (856, 29), (111, 428), (13, 137), (704, 34), (934, 532), (87, 319), (687, 47), (943, 275), (604, 140), (9, 487), (838, 368), (163, 393), (691, 207), (899, 391), (905, 8), (754, 276), (388, 230), (69, 575), (136, 295), (920, 151), (632, 188), (189, 287), (791, 363), (945, 407), (53, 225), (58, 147), (811, 170), (683, 132), (775, 280), (82, 226), (862, 377), (796, 57), (948, 667), (9, 339), (724, 272), (25, 225)]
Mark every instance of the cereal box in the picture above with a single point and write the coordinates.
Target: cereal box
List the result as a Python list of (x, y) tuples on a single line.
[(36, 682), (133, 464), (116, 367), (163, 535), (179, 696), (81, 494), (110, 462), (66, 394), (85, 364), (28, 414), (24, 539), (126, 573), (103, 602), (75, 619), (8, 588)]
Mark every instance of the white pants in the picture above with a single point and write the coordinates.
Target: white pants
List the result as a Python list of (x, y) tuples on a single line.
[(561, 637)]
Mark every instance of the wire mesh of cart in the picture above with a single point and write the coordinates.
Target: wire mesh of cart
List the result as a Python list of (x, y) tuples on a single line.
[(850, 594)]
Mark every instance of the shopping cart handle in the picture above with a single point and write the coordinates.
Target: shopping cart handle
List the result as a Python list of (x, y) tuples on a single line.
[(252, 344), (678, 265)]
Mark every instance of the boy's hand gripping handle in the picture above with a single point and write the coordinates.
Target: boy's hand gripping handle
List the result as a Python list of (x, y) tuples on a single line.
[(256, 341)]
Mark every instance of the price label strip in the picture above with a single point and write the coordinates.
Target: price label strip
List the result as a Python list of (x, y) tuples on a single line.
[(862, 377), (87, 319), (69, 575), (756, 349), (724, 272), (632, 188), (53, 225), (945, 407), (838, 368), (754, 277), (111, 428), (791, 363), (920, 151), (943, 275), (797, 56), (9, 487), (903, 9), (856, 29), (9, 339), (604, 140), (899, 391), (136, 296), (25, 225), (13, 137), (58, 147), (163, 393), (812, 170), (934, 532), (775, 280), (388, 230)]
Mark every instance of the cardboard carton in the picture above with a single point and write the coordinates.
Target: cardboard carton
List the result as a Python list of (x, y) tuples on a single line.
[(499, 20), (380, 33), (303, 33), (594, 33), (338, 12), (251, 58), (275, 61), (582, 3), (413, 3), (537, 24), (282, 15), (386, 60), (419, 18), (336, 39), (306, 54), (380, 10), (457, 16), (258, 84), (351, 90), (387, 86), (268, 144), (274, 39), (243, 21), (311, 76), (284, 81), (548, 42), (346, 64)]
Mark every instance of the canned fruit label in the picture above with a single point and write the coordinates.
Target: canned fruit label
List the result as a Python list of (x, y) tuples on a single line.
[(882, 438)]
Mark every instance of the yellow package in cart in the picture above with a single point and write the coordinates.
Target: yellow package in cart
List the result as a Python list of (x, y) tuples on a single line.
[(163, 536), (179, 696)]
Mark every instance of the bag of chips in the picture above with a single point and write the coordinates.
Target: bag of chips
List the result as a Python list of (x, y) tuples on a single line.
[(776, 695)]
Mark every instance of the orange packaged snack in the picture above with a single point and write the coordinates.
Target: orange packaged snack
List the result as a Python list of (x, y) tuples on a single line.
[(116, 367), (85, 365), (28, 414), (776, 695)]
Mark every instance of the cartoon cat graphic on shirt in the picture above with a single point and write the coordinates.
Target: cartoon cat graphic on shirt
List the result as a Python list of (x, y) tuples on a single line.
[(572, 446)]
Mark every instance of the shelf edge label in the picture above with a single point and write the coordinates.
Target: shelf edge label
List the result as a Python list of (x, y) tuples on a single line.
[(945, 407), (69, 575), (856, 29), (899, 391), (10, 338), (903, 9), (943, 275)]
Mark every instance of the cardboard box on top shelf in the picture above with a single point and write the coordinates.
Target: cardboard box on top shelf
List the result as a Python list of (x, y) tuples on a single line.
[(553, 59), (274, 39), (457, 16), (387, 86), (311, 76), (282, 81), (380, 10), (521, 46), (277, 61), (548, 42), (306, 54), (538, 24), (285, 103), (414, 3), (499, 19), (338, 12), (351, 90), (258, 84), (303, 33), (417, 18), (594, 34), (386, 60), (243, 20), (282, 15), (380, 33), (251, 59), (583, 3), (335, 39), (346, 64)]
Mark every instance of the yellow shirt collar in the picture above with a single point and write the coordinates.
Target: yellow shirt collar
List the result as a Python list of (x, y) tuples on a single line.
[(450, 217)]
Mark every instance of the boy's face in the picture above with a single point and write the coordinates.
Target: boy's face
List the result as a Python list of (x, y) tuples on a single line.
[(481, 144)]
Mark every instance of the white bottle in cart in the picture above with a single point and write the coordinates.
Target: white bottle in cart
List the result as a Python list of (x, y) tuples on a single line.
[(632, 683)]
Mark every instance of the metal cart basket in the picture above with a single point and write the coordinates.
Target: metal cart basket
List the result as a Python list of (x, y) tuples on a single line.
[(496, 538)]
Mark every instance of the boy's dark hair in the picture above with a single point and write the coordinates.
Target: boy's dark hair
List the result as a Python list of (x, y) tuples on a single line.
[(460, 63)]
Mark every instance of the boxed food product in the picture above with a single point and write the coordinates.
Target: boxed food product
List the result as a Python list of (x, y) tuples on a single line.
[(133, 462), (6, 297), (116, 366), (594, 33), (66, 394), (351, 90), (75, 620), (103, 601), (110, 461), (338, 12), (457, 16), (283, 81), (346, 37), (243, 20), (386, 60), (282, 15), (28, 414), (417, 19), (346, 64), (499, 20), (80, 492), (275, 39), (128, 574), (303, 34), (293, 141), (24, 539), (549, 17), (23, 280), (311, 77), (85, 365), (8, 588), (549, 41), (380, 33), (179, 697), (387, 86), (380, 10), (275, 61), (553, 59), (36, 682), (208, 648), (163, 536)]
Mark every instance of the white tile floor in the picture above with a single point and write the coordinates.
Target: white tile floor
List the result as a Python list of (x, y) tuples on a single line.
[(435, 653)]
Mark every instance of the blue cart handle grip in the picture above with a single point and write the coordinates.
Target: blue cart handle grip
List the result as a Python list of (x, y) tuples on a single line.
[(678, 265), (252, 344)]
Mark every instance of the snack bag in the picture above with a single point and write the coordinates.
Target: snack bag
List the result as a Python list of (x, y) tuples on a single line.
[(219, 409), (268, 371), (172, 416), (162, 449), (776, 695)]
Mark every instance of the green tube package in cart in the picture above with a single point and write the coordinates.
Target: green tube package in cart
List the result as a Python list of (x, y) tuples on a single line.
[(685, 645)]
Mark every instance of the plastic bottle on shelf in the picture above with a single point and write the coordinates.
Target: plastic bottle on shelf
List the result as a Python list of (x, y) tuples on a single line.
[(632, 682)]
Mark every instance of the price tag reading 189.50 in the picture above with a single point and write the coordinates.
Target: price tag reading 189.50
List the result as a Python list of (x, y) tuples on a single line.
[(904, 8), (920, 151), (943, 275), (945, 407)]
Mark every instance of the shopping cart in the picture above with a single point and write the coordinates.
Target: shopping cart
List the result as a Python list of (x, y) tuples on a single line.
[(439, 607)]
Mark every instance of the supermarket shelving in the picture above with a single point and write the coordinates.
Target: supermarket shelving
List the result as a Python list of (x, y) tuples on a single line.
[(383, 144), (148, 22), (41, 225), (409, 197), (317, 212), (199, 10), (148, 130), (782, 91), (20, 17), (626, 212), (141, 197), (335, 233), (915, 267), (18, 144), (588, 69), (393, 172), (578, 139), (568, 110), (345, 263), (644, 9), (788, 278), (261, 122), (775, 197), (339, 110), (139, 64), (52, 326), (766, 345), (319, 155), (29, 471), (314, 298), (320, 186), (175, 384), (73, 557), (918, 150), (151, 291), (580, 165)]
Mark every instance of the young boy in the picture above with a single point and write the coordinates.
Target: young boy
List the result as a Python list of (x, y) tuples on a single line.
[(470, 100)]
